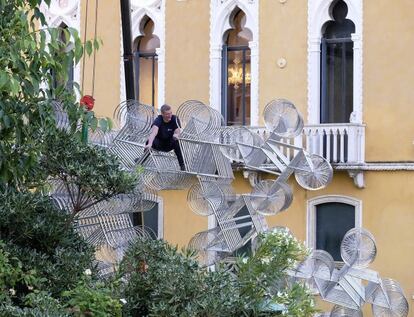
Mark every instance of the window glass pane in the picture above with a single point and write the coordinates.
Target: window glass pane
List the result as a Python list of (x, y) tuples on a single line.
[(146, 70), (338, 86), (236, 71), (149, 42), (148, 79), (333, 220), (70, 67), (247, 248), (238, 87), (148, 219), (337, 66)]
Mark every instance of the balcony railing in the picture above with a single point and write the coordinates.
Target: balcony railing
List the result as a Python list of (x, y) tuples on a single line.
[(339, 143)]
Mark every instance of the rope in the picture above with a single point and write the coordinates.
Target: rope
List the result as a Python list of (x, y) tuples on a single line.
[(94, 51), (84, 41)]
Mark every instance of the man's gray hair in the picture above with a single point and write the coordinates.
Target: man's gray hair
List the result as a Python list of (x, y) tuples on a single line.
[(165, 108)]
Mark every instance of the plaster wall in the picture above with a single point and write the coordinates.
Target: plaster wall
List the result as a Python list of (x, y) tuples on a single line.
[(187, 51), (107, 63), (388, 42), (388, 74), (283, 34)]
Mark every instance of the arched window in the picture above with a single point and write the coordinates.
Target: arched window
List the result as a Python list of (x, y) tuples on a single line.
[(236, 71), (146, 64), (337, 66), (329, 218)]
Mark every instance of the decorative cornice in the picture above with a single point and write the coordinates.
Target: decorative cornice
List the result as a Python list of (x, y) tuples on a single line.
[(376, 166)]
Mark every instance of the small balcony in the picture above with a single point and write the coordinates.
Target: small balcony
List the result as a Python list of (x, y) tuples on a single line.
[(341, 144)]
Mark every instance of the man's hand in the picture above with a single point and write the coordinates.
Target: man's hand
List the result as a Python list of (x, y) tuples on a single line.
[(147, 146), (175, 136)]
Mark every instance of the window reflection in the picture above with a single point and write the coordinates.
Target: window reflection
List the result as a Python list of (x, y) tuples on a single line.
[(236, 71), (337, 59), (146, 64)]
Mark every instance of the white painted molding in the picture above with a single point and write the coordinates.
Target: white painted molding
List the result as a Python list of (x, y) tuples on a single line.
[(155, 10), (220, 11), (67, 12), (318, 15), (376, 166), (160, 233), (311, 214), (122, 88)]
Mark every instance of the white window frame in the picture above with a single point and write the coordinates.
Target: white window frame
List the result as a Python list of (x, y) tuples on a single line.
[(220, 11), (311, 214), (155, 10), (160, 233), (318, 15)]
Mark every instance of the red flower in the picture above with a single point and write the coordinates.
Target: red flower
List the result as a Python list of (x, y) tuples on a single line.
[(87, 101)]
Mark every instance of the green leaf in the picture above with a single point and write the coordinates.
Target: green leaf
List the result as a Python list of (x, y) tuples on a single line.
[(110, 123), (103, 124), (3, 79), (96, 44), (94, 123), (88, 47)]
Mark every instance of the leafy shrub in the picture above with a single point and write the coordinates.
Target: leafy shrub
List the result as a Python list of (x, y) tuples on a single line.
[(91, 173), (90, 298), (160, 281), (263, 277), (163, 282), (35, 231)]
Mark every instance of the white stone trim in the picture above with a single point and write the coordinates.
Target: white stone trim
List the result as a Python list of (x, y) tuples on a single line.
[(155, 10), (376, 166), (220, 11), (160, 233), (70, 14), (311, 214), (318, 15)]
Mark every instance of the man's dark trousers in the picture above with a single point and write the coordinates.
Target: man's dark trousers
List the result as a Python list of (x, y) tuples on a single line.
[(167, 146)]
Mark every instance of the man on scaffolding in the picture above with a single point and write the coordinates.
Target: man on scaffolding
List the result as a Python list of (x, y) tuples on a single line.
[(164, 134)]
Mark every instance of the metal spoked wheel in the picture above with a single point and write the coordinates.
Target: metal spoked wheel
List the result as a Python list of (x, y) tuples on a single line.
[(198, 120), (201, 243), (313, 172), (200, 198), (340, 311), (282, 118), (316, 270), (269, 197), (395, 305), (358, 248), (138, 117), (237, 143)]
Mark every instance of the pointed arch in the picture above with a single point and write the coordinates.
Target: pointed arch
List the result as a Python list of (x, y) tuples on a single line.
[(220, 13), (318, 15)]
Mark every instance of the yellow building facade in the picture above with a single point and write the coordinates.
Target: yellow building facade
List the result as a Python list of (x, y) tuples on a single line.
[(295, 48)]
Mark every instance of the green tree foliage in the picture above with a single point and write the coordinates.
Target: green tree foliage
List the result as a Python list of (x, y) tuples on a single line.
[(263, 276), (164, 282), (33, 59), (90, 174), (35, 231), (40, 242), (160, 281)]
